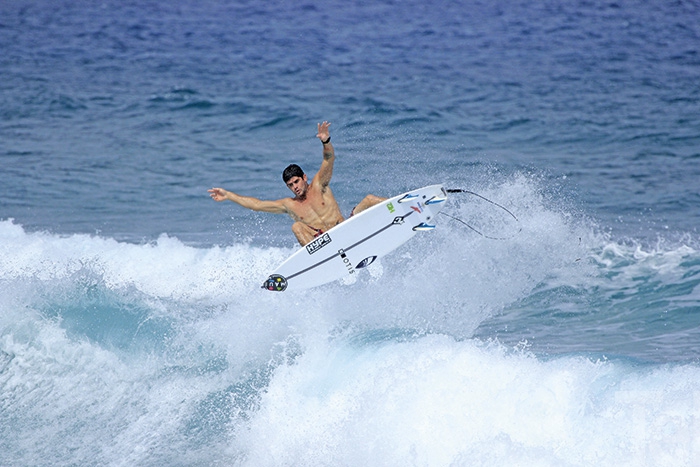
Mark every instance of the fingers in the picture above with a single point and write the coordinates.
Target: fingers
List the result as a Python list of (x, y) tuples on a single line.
[(217, 194)]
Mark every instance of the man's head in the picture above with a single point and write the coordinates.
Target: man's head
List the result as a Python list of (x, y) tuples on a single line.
[(296, 180), (292, 170)]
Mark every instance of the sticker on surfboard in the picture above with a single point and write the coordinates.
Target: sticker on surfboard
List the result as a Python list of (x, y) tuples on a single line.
[(275, 283), (365, 262)]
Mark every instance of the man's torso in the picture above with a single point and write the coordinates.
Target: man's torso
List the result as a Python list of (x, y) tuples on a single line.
[(319, 209)]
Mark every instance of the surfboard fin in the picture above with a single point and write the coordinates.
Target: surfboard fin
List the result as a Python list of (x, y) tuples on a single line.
[(436, 200), (407, 198), (423, 226)]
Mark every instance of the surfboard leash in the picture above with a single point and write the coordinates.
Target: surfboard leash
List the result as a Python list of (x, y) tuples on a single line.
[(460, 190)]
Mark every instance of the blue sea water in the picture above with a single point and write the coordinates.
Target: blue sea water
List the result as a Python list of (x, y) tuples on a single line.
[(133, 330)]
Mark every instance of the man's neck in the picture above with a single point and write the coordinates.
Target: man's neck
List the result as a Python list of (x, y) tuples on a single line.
[(302, 197)]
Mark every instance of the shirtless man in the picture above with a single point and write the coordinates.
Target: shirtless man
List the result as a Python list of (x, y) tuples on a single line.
[(313, 206)]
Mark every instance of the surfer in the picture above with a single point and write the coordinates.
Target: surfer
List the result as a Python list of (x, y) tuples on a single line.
[(313, 207)]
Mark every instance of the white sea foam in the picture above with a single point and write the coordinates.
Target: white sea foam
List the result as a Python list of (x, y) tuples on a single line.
[(436, 401), (127, 354)]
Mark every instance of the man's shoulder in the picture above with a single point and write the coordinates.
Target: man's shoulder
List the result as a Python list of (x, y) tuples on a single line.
[(286, 202)]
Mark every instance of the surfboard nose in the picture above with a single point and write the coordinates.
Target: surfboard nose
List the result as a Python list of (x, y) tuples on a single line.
[(275, 283)]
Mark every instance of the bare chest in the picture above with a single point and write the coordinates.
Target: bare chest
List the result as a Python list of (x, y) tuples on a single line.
[(319, 210)]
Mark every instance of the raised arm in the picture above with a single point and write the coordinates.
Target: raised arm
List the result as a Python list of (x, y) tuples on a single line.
[(255, 204), (323, 177)]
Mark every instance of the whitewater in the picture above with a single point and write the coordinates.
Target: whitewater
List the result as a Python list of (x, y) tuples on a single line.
[(167, 354)]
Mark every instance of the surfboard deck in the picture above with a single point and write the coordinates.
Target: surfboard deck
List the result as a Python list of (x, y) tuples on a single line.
[(359, 241)]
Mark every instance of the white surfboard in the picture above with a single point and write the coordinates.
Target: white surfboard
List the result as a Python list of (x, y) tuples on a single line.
[(357, 242)]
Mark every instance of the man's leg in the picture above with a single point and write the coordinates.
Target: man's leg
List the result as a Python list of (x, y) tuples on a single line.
[(367, 202), (303, 232)]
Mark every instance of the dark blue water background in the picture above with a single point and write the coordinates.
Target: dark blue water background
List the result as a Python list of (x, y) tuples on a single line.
[(117, 115)]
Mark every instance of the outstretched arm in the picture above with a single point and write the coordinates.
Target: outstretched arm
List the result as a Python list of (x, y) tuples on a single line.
[(323, 177), (255, 204)]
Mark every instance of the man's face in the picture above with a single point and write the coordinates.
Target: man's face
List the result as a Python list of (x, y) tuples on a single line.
[(298, 185)]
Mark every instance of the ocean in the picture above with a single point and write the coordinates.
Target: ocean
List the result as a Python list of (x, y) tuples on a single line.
[(133, 329)]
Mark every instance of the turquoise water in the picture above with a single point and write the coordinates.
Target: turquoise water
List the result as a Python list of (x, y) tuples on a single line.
[(132, 327)]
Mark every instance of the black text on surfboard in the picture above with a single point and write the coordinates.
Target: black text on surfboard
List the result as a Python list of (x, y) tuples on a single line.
[(348, 264), (319, 243)]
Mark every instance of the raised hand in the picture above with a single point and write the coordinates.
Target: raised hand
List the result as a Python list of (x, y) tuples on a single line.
[(323, 133)]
